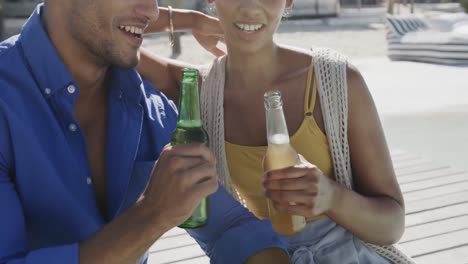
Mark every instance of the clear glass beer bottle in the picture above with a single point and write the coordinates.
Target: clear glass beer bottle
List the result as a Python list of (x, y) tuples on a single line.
[(280, 154)]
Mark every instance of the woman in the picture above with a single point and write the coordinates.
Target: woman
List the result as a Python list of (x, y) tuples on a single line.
[(334, 125)]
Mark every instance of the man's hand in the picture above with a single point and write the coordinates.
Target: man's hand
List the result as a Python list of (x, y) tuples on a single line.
[(300, 190), (181, 178), (208, 32)]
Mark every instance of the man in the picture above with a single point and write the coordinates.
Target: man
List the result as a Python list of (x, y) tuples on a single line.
[(80, 132)]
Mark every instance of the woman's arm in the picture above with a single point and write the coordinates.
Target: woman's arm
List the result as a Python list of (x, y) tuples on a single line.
[(183, 19), (206, 29), (162, 73), (374, 212)]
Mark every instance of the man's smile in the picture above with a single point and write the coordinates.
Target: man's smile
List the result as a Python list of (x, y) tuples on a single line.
[(136, 31)]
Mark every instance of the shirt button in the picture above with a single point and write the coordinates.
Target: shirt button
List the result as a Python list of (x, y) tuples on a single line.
[(47, 90), (72, 127), (71, 89), (120, 94), (89, 181)]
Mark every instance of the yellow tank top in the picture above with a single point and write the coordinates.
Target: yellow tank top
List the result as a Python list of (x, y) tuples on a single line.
[(245, 162)]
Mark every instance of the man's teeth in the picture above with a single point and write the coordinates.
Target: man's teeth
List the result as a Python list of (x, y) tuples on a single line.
[(133, 30), (249, 27)]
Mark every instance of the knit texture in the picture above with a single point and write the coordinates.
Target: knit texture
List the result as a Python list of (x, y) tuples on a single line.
[(212, 99), (332, 87)]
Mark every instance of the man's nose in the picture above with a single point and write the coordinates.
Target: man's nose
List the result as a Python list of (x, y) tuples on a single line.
[(148, 9)]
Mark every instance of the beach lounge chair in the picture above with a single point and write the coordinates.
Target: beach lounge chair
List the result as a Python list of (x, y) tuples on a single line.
[(439, 39)]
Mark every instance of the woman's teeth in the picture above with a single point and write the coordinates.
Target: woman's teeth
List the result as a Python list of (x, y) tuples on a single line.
[(248, 27)]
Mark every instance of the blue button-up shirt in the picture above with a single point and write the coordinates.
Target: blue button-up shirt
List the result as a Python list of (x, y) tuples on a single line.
[(47, 202)]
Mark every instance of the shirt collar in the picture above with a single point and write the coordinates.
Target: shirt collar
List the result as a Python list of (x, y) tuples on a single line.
[(129, 83), (52, 75), (47, 67)]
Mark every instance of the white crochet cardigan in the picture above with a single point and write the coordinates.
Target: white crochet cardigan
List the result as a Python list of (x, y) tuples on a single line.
[(330, 67)]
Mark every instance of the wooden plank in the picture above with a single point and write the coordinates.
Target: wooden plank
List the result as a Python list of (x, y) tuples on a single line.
[(166, 243), (416, 186), (399, 166), (176, 255), (436, 214), (430, 175), (398, 152), (435, 244), (436, 199), (436, 191), (199, 260), (404, 156), (175, 231), (436, 202), (420, 169), (434, 228), (409, 157), (457, 255)]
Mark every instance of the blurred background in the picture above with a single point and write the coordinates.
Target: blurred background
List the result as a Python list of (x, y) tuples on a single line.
[(423, 105)]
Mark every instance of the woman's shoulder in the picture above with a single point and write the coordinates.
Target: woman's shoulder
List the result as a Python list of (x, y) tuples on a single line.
[(294, 62), (315, 55), (296, 54), (216, 65), (327, 56)]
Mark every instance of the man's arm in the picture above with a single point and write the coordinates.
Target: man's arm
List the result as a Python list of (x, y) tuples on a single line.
[(12, 221), (234, 235), (182, 176), (185, 174)]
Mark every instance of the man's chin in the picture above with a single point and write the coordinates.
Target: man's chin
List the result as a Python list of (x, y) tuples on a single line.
[(128, 63), (124, 58)]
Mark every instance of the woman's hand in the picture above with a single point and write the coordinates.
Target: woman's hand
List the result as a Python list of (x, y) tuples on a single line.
[(207, 31), (300, 190)]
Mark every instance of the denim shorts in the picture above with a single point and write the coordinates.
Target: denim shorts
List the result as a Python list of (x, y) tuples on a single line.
[(324, 242)]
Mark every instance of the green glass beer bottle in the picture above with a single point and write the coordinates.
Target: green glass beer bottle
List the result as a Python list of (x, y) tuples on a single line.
[(190, 130)]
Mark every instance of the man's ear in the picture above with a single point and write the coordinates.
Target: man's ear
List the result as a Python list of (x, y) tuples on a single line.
[(289, 3), (211, 1)]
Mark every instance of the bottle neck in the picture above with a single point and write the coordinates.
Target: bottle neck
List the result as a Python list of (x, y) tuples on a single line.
[(277, 130), (189, 105)]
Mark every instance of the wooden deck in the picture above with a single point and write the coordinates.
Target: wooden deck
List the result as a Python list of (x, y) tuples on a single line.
[(436, 198)]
